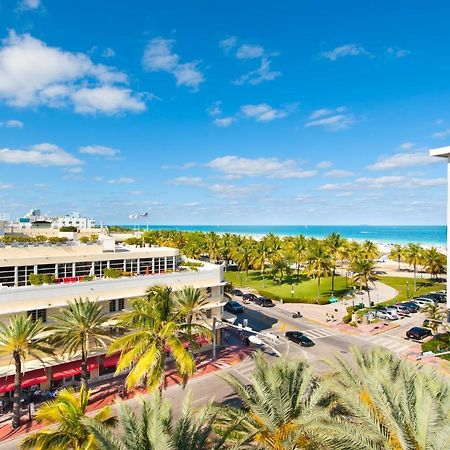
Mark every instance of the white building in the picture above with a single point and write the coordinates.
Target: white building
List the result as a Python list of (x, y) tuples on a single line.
[(444, 152), (74, 220), (73, 267)]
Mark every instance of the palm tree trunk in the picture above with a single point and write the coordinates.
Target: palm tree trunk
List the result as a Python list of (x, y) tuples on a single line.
[(415, 270), (398, 259), (84, 368), (17, 392), (318, 288), (333, 274)]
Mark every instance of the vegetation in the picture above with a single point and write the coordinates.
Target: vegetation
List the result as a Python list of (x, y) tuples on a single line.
[(67, 415), (439, 343), (20, 340), (156, 326), (68, 228), (13, 238), (41, 278), (434, 316), (112, 273), (80, 328)]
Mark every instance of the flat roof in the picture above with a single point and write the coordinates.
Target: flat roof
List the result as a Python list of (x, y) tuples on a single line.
[(443, 152), (48, 254)]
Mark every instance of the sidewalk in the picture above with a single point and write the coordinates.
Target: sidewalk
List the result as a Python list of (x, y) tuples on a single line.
[(105, 393)]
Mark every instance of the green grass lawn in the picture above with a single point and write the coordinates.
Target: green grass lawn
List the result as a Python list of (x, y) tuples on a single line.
[(305, 290), (424, 286)]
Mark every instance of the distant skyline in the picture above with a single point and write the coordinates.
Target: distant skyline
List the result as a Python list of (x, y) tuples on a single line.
[(201, 112)]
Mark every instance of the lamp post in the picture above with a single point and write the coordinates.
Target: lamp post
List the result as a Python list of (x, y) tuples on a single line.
[(214, 338), (407, 289)]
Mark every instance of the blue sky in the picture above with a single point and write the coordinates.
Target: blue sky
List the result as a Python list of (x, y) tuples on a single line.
[(201, 112)]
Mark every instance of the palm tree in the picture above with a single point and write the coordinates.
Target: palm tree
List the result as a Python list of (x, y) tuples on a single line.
[(226, 249), (413, 255), (260, 254), (213, 244), (152, 427), (20, 339), (370, 250), (318, 262), (155, 328), (386, 403), (396, 253), (80, 328), (242, 254), (277, 406), (298, 246), (67, 415), (190, 300), (434, 314), (433, 261), (334, 243), (364, 273)]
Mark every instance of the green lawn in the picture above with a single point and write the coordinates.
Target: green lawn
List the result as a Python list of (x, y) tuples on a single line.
[(401, 285), (305, 290)]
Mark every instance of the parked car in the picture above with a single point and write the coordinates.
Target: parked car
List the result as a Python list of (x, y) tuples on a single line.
[(386, 315), (412, 307), (265, 302), (236, 292), (299, 338), (250, 297), (418, 333), (402, 309), (234, 307), (437, 297), (422, 302)]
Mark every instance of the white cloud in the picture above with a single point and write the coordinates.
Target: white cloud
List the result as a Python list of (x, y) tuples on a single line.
[(407, 146), (334, 187), (159, 57), (34, 74), (215, 109), (403, 160), (224, 122), (339, 173), (324, 164), (108, 53), (122, 180), (247, 51), (40, 155), (12, 124), (442, 134), (263, 112), (237, 191), (228, 43), (259, 75), (345, 50), (399, 181), (29, 4), (397, 52), (325, 112), (187, 181), (236, 167), (99, 150), (335, 122), (344, 194)]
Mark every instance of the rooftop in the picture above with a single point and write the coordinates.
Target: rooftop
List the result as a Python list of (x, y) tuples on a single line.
[(443, 152)]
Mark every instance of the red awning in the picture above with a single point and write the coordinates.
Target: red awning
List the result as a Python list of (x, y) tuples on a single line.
[(29, 379), (110, 361), (72, 368)]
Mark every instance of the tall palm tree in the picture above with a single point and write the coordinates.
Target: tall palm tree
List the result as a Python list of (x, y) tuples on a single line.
[(386, 403), (318, 263), (226, 249), (413, 256), (80, 328), (21, 339), (242, 254), (213, 244), (190, 300), (370, 250), (364, 273), (298, 246), (152, 427), (396, 253), (334, 243), (67, 415), (260, 255), (155, 327), (433, 261), (277, 406), (434, 314)]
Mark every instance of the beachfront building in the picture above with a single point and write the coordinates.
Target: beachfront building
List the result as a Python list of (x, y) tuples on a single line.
[(444, 152), (76, 270), (74, 220)]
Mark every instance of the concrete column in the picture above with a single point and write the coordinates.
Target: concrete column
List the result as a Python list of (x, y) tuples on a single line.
[(35, 269), (153, 265), (165, 263), (16, 276), (56, 270), (138, 267), (74, 270)]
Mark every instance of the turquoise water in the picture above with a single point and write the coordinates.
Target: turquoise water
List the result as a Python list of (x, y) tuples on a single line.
[(436, 235)]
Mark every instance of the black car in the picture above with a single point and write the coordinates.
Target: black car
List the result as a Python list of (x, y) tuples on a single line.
[(233, 307), (265, 302), (418, 333), (250, 297), (412, 307), (236, 292), (299, 338), (438, 297)]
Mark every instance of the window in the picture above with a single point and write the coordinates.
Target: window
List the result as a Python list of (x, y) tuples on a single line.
[(118, 304), (38, 314), (208, 291), (208, 313)]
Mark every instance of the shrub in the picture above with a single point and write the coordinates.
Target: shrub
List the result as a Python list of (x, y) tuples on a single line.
[(57, 240), (93, 237), (112, 273), (84, 239), (440, 343), (41, 278), (69, 228)]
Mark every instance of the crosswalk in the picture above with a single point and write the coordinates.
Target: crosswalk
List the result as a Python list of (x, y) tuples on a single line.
[(318, 333), (392, 343)]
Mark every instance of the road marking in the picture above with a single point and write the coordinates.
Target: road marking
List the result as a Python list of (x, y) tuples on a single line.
[(201, 399), (318, 333)]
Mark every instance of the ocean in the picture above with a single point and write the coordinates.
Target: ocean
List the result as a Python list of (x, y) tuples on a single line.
[(427, 235)]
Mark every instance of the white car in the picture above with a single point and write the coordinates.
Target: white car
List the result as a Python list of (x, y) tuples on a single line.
[(422, 302), (387, 315)]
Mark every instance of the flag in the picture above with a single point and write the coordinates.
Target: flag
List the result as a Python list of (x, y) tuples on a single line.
[(133, 216), (145, 214)]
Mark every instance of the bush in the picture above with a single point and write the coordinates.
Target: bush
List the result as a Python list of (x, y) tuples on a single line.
[(84, 239), (41, 278), (348, 317), (87, 278), (440, 343), (93, 237), (69, 228), (57, 240), (112, 273)]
